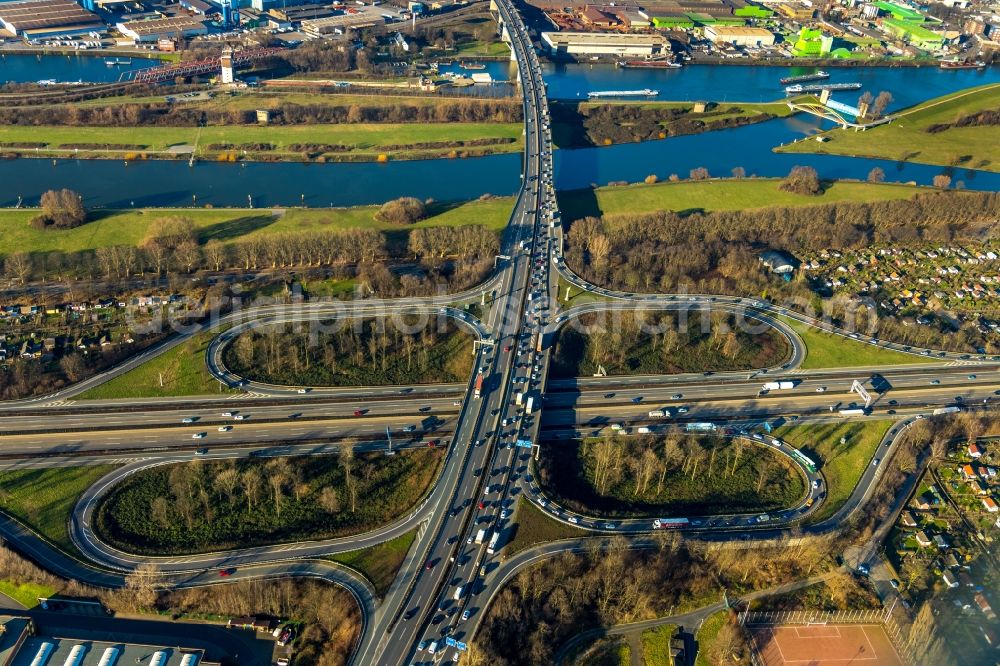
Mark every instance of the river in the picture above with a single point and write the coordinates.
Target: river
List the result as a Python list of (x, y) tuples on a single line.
[(112, 183), (66, 68)]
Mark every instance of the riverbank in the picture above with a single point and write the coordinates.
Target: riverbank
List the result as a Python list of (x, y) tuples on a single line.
[(719, 194), (130, 227), (605, 123), (958, 130), (371, 142)]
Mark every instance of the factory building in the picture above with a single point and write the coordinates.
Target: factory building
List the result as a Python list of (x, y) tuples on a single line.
[(590, 43), (739, 36), (22, 644), (177, 27), (38, 19), (340, 24)]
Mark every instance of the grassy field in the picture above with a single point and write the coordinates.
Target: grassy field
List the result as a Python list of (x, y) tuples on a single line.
[(825, 350), (840, 464), (706, 635), (702, 476), (907, 138), (379, 563), (709, 195), (220, 505), (26, 594), (656, 645), (43, 499), (611, 651), (533, 526), (180, 371), (362, 140), (129, 227)]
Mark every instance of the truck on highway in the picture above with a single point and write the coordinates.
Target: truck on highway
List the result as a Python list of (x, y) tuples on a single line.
[(529, 405), (519, 398), (658, 414), (854, 411), (491, 549), (480, 537), (643, 430), (458, 592), (778, 386), (946, 410), (479, 387), (670, 523)]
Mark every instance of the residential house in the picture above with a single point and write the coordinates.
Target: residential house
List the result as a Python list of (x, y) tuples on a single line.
[(949, 579), (908, 519), (922, 539), (990, 504), (968, 472), (941, 541), (975, 450), (984, 606)]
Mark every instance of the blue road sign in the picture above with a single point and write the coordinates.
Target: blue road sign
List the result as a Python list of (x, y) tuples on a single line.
[(524, 443)]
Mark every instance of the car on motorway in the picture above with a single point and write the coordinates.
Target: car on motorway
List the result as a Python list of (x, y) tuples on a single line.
[(302, 390), (429, 565), (201, 452), (574, 520), (225, 573), (677, 396), (421, 646), (359, 412), (894, 583), (815, 484), (465, 615), (198, 435), (820, 389), (876, 462), (228, 415), (225, 428), (187, 419), (482, 505), (240, 417), (935, 382), (410, 428)]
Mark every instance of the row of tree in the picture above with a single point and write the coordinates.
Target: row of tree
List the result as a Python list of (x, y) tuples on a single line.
[(172, 245), (281, 113)]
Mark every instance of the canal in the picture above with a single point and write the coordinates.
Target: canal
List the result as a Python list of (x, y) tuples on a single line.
[(67, 68), (112, 183)]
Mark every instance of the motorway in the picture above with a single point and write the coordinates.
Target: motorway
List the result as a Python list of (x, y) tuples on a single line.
[(446, 582)]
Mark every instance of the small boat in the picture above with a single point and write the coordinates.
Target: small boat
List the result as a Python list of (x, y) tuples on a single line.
[(111, 62), (648, 64), (816, 76), (645, 92), (472, 65), (953, 64), (47, 82)]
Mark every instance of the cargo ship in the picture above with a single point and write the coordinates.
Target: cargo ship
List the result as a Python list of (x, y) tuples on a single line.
[(817, 76), (820, 87), (953, 64), (648, 64), (645, 92)]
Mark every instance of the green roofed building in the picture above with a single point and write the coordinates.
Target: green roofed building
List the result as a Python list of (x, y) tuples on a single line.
[(899, 11), (812, 43), (672, 22), (914, 33), (753, 11)]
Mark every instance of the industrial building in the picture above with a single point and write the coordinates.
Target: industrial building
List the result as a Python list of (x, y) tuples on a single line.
[(338, 24), (37, 19), (177, 27), (589, 43), (739, 36), (21, 644)]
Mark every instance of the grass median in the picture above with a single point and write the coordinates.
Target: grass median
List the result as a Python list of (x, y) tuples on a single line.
[(826, 350), (532, 527), (843, 450), (656, 645), (380, 563), (178, 372), (43, 499)]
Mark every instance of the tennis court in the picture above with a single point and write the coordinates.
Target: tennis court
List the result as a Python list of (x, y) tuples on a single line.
[(824, 645)]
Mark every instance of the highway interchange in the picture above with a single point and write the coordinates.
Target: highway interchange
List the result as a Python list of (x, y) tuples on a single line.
[(444, 585)]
